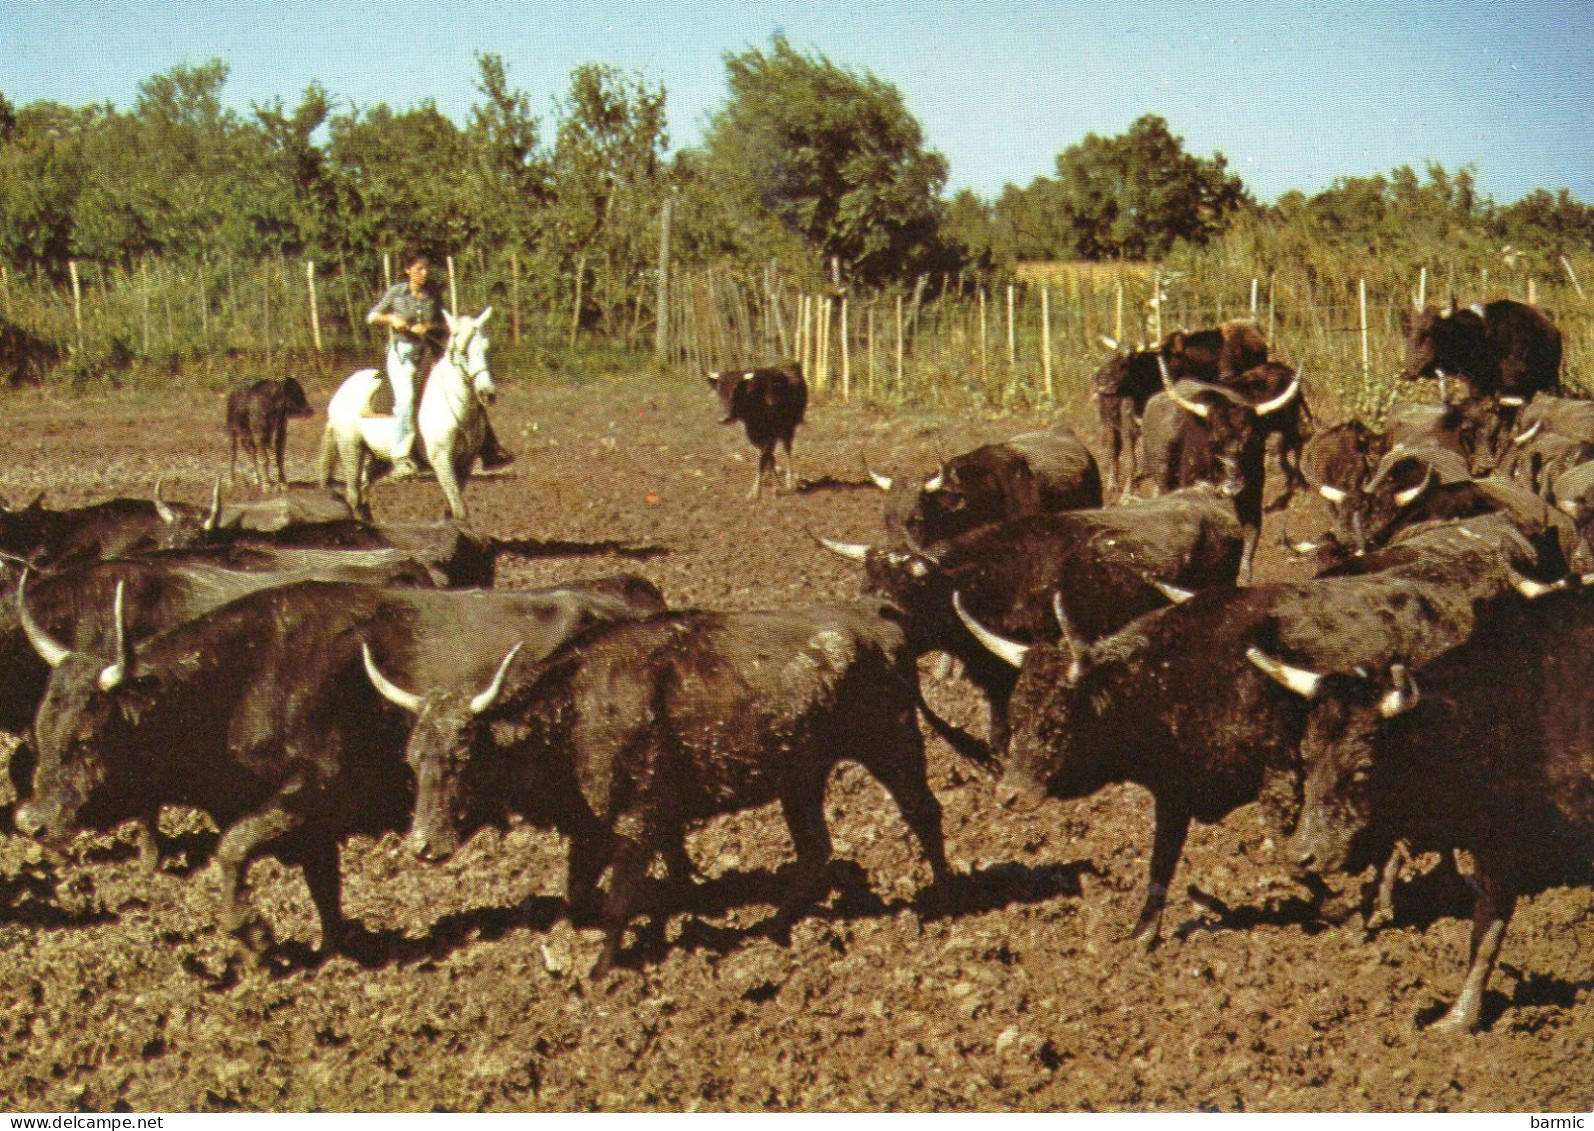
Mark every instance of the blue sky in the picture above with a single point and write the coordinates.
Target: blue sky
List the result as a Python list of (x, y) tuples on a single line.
[(1293, 93)]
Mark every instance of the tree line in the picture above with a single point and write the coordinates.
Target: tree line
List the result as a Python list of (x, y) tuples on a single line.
[(820, 169)]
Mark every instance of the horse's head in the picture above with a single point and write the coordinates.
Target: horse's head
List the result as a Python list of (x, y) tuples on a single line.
[(467, 351)]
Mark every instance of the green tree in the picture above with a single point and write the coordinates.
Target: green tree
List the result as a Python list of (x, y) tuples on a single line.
[(41, 170), (292, 205), (607, 185), (508, 172), (829, 155), (1136, 194)]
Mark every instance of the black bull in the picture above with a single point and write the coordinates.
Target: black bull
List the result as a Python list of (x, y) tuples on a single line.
[(636, 730), (1109, 562), (1178, 703), (1452, 756), (259, 713)]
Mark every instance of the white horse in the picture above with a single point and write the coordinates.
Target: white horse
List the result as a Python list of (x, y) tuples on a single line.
[(450, 422)]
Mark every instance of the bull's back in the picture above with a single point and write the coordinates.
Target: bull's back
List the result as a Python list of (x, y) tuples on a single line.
[(721, 705)]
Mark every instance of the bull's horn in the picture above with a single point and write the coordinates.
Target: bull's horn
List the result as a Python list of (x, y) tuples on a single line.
[(1451, 309), (213, 519), (386, 688), (883, 482), (713, 377), (1008, 651), (1401, 697), (1110, 343), (1409, 495), (167, 515), (1302, 681), (1333, 494), (1195, 407), (936, 481), (1538, 425), (486, 698), (1075, 642), (48, 649), (1282, 399), (852, 551), (1533, 590), (1513, 401), (1173, 593), (114, 674)]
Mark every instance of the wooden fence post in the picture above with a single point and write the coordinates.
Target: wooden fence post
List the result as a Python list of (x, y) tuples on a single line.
[(575, 312), (1046, 340), (846, 355), (1012, 333), (661, 326), (1422, 289), (5, 289), (899, 343), (1361, 305), (869, 339), (984, 375), (1566, 265), (77, 301), (514, 297), (143, 290), (453, 289), (315, 313)]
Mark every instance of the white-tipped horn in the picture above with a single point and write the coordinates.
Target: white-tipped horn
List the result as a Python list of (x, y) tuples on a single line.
[(1409, 495), (487, 698), (1538, 425), (1110, 343), (213, 519), (1511, 400), (1402, 697), (1282, 399), (1199, 409), (167, 515), (385, 687), (1175, 595), (43, 643), (1008, 651), (1302, 681), (852, 551), (1070, 637), (937, 481), (1333, 494), (884, 482), (114, 674)]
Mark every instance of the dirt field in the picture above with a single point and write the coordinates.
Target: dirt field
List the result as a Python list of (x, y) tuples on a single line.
[(116, 991)]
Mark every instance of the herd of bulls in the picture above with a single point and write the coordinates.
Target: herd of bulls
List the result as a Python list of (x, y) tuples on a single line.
[(303, 676)]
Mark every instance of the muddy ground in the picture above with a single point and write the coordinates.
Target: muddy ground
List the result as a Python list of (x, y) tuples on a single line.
[(116, 990)]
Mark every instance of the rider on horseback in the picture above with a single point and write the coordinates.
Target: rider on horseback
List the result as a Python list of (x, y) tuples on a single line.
[(411, 310)]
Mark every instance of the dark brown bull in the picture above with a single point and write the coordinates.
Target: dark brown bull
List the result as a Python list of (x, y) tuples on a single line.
[(74, 607), (1453, 756), (1109, 562), (1121, 388), (1176, 703), (770, 403), (1043, 472), (1222, 440), (257, 420), (1219, 355), (260, 714), (636, 731), (1503, 348)]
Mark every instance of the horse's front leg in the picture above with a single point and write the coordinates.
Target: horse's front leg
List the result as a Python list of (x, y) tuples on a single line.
[(449, 479)]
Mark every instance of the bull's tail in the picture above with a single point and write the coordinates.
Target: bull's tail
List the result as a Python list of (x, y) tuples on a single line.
[(968, 747)]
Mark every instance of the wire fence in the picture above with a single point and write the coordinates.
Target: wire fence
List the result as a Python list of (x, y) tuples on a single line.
[(946, 341)]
